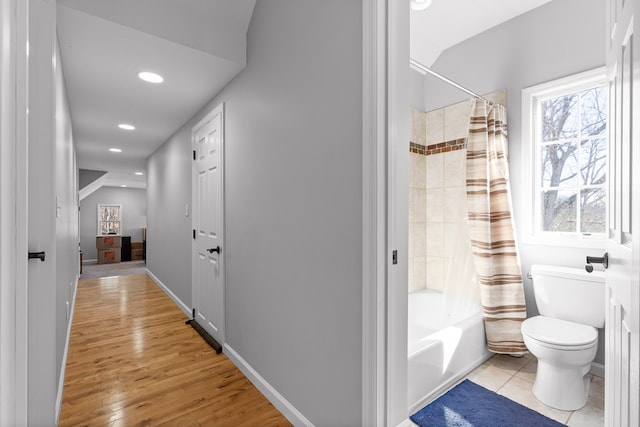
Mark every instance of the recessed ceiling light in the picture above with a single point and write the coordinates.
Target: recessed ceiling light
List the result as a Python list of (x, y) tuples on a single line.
[(139, 173), (420, 4), (126, 126), (123, 185), (115, 150), (150, 77)]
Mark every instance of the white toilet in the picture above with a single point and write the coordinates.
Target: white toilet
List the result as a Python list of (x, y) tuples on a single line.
[(564, 337)]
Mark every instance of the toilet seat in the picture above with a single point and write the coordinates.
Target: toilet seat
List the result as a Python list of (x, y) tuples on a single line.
[(560, 334)]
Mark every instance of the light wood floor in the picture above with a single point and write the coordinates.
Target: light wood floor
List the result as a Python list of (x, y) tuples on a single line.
[(133, 361)]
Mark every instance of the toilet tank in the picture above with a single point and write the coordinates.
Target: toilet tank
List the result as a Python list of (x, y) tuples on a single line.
[(569, 294)]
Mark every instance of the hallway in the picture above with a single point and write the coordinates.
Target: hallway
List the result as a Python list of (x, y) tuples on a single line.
[(133, 361)]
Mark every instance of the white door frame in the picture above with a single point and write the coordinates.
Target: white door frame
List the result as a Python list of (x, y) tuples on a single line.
[(385, 150), (374, 222), (13, 213)]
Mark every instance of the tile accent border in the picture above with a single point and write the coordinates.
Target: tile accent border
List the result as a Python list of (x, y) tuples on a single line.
[(441, 147)]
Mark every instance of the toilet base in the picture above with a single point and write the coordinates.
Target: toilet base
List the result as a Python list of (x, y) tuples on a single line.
[(563, 388)]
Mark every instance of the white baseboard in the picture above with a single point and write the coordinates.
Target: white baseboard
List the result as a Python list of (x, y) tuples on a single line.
[(407, 423), (286, 408), (63, 369), (597, 369), (89, 261), (171, 295)]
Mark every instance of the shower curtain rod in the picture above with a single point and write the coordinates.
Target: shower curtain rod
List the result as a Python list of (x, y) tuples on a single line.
[(415, 64)]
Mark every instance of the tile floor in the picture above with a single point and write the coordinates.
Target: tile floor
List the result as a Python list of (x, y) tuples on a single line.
[(513, 378)]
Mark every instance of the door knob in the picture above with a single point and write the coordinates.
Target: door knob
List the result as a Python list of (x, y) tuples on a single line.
[(216, 249), (39, 255), (604, 260)]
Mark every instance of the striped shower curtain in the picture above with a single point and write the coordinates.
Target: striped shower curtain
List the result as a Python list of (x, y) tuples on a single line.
[(491, 228)]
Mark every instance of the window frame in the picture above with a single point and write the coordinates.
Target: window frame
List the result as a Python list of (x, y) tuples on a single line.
[(99, 221), (530, 161)]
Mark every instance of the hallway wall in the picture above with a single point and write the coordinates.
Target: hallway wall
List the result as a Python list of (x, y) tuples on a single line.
[(293, 206), (134, 212), (67, 234)]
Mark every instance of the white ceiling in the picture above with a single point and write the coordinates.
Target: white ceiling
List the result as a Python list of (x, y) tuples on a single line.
[(448, 22), (198, 46)]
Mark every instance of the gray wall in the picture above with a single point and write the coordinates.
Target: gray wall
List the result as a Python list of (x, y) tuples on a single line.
[(134, 213), (66, 184), (416, 90), (293, 206), (169, 234), (561, 38)]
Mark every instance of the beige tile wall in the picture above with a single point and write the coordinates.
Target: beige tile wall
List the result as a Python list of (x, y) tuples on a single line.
[(437, 198), (417, 204)]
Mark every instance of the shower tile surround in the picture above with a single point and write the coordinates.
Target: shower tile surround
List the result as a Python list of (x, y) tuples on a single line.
[(437, 196)]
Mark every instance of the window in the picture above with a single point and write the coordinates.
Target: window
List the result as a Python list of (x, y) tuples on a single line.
[(565, 122), (109, 219)]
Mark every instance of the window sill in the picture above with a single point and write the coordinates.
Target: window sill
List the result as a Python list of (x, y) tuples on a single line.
[(568, 241)]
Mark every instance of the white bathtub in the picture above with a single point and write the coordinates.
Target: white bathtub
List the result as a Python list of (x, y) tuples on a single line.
[(446, 341)]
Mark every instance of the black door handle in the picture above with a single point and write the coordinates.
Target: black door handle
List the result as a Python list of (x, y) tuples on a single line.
[(604, 260), (216, 249), (39, 255)]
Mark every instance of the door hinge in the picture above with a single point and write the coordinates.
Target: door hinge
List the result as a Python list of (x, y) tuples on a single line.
[(194, 154), (194, 234), (394, 257)]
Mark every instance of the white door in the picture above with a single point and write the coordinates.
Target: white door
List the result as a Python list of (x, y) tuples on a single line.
[(208, 224), (41, 218), (14, 306), (623, 277), (28, 368)]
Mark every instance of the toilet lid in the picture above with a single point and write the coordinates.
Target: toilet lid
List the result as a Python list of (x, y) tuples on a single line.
[(559, 332)]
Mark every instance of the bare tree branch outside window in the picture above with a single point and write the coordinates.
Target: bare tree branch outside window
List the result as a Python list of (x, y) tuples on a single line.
[(573, 144)]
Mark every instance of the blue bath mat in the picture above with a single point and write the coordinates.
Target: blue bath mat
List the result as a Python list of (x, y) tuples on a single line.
[(470, 405)]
